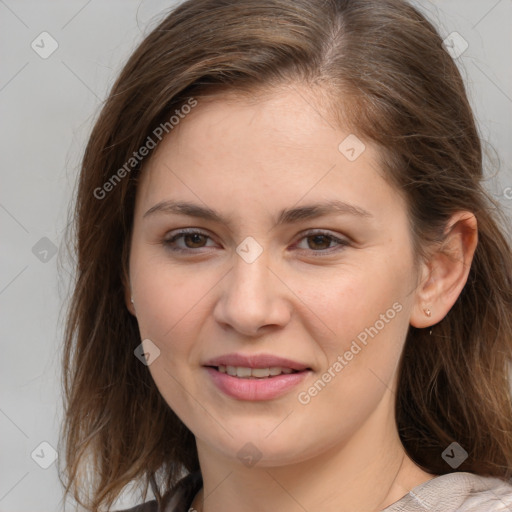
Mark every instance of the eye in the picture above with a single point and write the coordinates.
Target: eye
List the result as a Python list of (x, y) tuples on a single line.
[(187, 239), (320, 242), (190, 240)]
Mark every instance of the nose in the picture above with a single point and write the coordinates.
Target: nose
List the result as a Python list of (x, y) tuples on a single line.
[(253, 298)]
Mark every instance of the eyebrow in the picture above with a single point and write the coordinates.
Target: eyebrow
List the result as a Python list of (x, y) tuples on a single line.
[(287, 216)]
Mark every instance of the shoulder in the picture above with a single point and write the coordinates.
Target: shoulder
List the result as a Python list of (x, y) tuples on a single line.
[(457, 492), (150, 506), (487, 493), (178, 499)]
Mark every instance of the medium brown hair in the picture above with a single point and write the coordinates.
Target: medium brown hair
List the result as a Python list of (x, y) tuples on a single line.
[(385, 75)]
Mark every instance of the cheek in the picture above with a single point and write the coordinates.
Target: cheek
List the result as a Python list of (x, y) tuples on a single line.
[(361, 302), (367, 328), (169, 307), (168, 297)]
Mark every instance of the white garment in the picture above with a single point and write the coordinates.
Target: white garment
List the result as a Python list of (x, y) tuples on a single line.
[(453, 492), (457, 492)]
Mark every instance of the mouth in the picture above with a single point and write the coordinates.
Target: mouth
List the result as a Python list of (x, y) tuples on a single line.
[(255, 377), (245, 372), (255, 365)]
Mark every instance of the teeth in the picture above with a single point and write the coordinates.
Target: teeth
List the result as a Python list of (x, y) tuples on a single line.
[(243, 372), (259, 373)]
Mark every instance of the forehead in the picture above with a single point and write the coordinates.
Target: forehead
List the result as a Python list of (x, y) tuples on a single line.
[(268, 149)]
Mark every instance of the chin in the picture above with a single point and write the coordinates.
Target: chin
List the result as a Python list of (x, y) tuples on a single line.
[(254, 446)]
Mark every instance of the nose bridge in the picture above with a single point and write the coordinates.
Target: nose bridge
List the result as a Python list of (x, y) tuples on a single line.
[(251, 275), (251, 297)]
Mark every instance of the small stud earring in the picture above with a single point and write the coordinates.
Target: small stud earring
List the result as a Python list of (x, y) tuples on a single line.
[(132, 300), (429, 314)]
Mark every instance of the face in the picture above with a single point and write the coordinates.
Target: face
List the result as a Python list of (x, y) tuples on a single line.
[(261, 242)]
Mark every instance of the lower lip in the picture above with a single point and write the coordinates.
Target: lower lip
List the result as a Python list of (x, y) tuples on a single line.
[(256, 389)]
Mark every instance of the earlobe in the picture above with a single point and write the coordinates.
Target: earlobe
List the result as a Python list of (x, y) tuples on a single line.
[(128, 298), (128, 293), (131, 306), (446, 273)]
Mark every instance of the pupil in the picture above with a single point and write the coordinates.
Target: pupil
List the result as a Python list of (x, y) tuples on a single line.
[(195, 239), (318, 239)]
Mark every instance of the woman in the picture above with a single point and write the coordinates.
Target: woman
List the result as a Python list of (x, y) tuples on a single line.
[(293, 291)]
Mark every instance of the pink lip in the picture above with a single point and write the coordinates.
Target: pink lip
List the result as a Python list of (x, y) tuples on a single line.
[(255, 361), (255, 389)]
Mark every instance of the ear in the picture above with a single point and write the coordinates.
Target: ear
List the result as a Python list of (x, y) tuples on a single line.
[(128, 300), (128, 297), (446, 272)]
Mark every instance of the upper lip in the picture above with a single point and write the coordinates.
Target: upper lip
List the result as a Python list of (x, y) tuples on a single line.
[(255, 361)]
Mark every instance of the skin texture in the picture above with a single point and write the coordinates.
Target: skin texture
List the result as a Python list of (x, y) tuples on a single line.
[(303, 298)]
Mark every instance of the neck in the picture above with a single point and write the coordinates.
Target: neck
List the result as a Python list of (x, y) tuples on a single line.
[(367, 472)]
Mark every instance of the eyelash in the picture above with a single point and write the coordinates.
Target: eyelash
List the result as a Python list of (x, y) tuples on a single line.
[(169, 242)]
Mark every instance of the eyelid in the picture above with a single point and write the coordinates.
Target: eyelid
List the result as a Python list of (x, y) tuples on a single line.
[(179, 233), (186, 231), (341, 242), (320, 231)]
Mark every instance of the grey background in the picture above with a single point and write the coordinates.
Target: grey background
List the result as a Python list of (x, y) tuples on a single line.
[(47, 110)]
